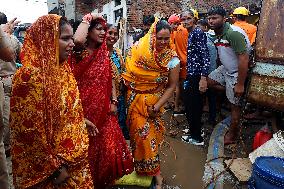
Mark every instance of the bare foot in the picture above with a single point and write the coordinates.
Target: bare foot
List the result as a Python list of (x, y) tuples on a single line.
[(159, 181)]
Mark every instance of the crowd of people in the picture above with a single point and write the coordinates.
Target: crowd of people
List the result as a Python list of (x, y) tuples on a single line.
[(76, 100)]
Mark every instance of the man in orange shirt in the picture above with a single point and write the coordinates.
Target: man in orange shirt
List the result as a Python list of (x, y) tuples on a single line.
[(240, 15)]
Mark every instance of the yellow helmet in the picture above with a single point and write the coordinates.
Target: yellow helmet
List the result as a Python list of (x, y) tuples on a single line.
[(195, 13), (241, 10)]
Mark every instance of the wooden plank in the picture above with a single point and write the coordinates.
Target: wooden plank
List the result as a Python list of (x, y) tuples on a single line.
[(241, 168)]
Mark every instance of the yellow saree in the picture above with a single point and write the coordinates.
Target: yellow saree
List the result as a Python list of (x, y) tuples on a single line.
[(47, 121), (146, 77)]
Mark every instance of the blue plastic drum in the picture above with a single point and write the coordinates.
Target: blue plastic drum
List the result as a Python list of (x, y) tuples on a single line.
[(267, 173)]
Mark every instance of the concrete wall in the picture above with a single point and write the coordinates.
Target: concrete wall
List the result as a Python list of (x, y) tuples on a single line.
[(62, 7), (109, 9)]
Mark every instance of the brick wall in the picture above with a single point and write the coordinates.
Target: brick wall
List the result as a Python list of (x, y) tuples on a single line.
[(100, 3), (204, 5), (83, 7), (137, 8)]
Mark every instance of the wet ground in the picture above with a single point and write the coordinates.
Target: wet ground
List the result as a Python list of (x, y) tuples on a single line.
[(182, 164)]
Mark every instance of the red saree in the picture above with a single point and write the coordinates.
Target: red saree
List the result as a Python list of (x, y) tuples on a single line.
[(109, 155)]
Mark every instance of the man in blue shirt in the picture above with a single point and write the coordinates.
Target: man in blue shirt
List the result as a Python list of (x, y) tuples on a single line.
[(195, 85)]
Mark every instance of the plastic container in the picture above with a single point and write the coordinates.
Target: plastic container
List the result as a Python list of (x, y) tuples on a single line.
[(267, 173)]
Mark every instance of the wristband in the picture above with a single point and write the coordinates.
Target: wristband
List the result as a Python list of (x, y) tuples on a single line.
[(86, 22)]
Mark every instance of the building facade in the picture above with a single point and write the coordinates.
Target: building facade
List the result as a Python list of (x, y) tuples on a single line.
[(133, 11)]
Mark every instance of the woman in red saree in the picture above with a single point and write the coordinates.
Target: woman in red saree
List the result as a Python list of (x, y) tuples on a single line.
[(49, 135), (109, 153)]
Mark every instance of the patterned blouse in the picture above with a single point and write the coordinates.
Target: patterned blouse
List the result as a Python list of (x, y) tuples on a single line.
[(198, 58)]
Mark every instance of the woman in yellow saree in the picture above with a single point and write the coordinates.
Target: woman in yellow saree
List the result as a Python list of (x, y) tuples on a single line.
[(152, 72), (49, 134)]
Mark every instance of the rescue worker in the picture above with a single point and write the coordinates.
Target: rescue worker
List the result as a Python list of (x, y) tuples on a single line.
[(240, 14)]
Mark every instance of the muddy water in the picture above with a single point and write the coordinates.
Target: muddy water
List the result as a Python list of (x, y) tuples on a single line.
[(187, 170)]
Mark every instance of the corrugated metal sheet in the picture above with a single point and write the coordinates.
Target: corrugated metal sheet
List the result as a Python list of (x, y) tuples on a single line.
[(270, 34)]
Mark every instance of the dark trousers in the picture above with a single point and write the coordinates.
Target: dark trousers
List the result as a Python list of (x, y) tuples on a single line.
[(193, 102)]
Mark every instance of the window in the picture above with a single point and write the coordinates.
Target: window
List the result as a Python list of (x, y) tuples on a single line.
[(118, 14), (117, 2)]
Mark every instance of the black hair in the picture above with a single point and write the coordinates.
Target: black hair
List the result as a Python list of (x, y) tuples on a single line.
[(148, 20), (62, 22), (3, 18), (76, 24), (162, 24), (112, 26), (94, 23), (217, 10), (241, 17), (203, 22)]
